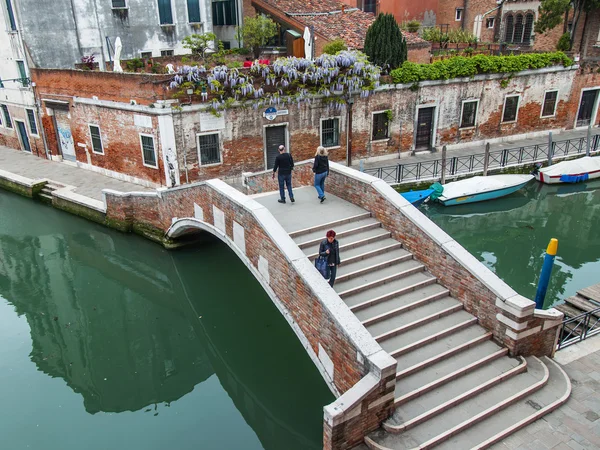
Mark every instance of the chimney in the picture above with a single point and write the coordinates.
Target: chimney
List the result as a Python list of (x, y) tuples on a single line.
[(343, 9)]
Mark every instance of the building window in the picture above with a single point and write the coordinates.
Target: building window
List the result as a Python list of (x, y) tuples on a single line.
[(33, 129), (490, 22), (549, 108), (23, 73), (224, 12), (96, 139), (330, 132), (193, 7), (528, 28), (458, 14), (1, 83), (165, 12), (226, 45), (11, 16), (597, 42), (469, 113), (166, 53), (518, 29), (146, 55), (511, 106), (119, 4), (148, 150), (510, 28), (380, 126), (208, 149), (369, 6), (7, 120)]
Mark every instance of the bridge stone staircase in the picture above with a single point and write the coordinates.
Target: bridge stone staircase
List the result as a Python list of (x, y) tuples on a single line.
[(455, 388)]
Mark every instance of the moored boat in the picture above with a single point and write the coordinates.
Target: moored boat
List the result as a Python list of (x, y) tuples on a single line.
[(574, 171), (417, 197), (478, 189)]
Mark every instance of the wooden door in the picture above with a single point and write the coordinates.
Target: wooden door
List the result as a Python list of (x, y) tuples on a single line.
[(275, 136), (586, 108), (424, 128)]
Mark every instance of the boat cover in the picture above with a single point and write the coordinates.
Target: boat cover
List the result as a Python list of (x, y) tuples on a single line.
[(477, 185), (579, 166), (574, 178)]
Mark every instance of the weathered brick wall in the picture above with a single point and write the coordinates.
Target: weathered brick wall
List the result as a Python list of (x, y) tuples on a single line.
[(447, 13), (9, 136), (587, 76), (420, 54), (590, 48)]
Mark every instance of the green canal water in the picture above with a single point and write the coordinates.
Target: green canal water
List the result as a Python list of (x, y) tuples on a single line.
[(510, 235), (108, 341)]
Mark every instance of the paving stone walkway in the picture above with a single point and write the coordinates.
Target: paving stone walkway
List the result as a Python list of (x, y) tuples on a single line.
[(86, 182)]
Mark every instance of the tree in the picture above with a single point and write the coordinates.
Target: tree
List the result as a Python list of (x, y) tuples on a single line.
[(384, 43), (551, 13), (257, 31), (199, 43), (335, 46)]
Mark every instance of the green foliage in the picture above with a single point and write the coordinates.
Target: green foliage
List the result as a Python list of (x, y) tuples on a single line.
[(384, 43), (389, 114), (564, 43), (453, 36), (199, 43), (134, 64), (551, 14), (235, 65), (413, 26), (257, 31), (337, 45), (460, 66)]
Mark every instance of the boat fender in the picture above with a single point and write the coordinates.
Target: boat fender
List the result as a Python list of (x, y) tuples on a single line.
[(438, 190)]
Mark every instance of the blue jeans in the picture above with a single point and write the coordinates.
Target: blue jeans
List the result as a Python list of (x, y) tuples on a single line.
[(320, 183), (287, 179)]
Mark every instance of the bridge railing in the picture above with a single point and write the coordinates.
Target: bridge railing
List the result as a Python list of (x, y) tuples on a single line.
[(462, 165), (579, 328)]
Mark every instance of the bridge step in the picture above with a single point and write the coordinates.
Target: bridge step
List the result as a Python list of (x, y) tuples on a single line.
[(382, 249), (314, 239), (326, 226), (357, 240)]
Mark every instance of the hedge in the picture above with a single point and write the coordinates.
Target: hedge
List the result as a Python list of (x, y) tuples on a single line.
[(461, 66)]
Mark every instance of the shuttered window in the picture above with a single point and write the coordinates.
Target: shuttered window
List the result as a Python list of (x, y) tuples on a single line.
[(118, 4), (224, 12), (7, 119), (11, 16), (148, 150), (96, 139), (208, 149), (370, 6), (549, 108), (469, 112), (380, 126), (511, 105), (33, 129), (193, 7), (330, 132), (165, 12)]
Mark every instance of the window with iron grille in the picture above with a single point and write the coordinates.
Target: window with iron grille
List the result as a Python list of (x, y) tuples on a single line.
[(549, 108), (148, 150), (380, 126), (119, 4), (511, 105), (224, 12), (146, 55), (165, 13), (469, 113), (518, 36), (33, 129), (166, 53), (330, 132), (369, 6), (528, 28), (96, 139), (208, 149), (518, 28), (11, 16), (510, 28), (193, 7), (7, 119)]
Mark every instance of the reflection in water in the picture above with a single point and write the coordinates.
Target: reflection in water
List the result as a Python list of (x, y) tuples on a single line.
[(132, 327), (510, 235)]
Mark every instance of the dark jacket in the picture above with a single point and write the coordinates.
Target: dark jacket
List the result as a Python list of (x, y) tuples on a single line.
[(285, 163), (334, 251), (321, 164)]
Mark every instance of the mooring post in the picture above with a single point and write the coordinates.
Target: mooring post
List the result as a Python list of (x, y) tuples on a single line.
[(486, 159), (443, 180), (587, 141), (550, 149), (540, 295)]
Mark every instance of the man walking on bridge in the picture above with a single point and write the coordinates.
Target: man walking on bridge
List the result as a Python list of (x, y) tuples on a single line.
[(285, 164)]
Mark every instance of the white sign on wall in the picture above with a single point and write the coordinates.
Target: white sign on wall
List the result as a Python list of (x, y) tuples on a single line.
[(142, 121), (209, 122)]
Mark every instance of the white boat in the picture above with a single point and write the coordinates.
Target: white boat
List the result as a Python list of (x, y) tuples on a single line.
[(477, 189), (574, 171)]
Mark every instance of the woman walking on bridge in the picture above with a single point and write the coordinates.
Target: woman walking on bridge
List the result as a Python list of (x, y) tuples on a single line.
[(330, 249), (321, 170)]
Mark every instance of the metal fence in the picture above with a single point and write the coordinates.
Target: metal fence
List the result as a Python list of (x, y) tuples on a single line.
[(578, 328), (462, 165)]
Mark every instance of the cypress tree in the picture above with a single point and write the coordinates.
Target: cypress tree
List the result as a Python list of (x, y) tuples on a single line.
[(384, 43)]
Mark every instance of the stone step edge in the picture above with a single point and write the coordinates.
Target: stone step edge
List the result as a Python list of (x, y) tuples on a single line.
[(441, 356), (434, 337), (335, 223), (360, 243), (382, 281), (451, 376), (409, 307), (490, 411), (532, 418), (397, 429), (374, 267), (396, 293), (367, 227), (371, 253), (423, 321)]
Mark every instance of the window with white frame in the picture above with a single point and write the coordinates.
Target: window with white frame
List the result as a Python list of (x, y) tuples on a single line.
[(598, 39), (33, 129), (224, 12), (381, 125), (458, 15), (330, 132), (209, 151), (119, 4), (166, 53), (12, 24), (165, 13), (469, 113), (145, 55), (96, 139), (549, 107), (193, 7), (7, 119), (490, 22), (148, 150), (511, 107)]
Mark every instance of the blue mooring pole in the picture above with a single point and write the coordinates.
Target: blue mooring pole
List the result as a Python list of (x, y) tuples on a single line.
[(540, 295)]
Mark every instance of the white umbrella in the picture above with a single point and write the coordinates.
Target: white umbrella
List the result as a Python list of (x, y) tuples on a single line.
[(117, 63), (308, 44)]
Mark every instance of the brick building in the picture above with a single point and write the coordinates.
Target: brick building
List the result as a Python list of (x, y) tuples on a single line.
[(424, 11)]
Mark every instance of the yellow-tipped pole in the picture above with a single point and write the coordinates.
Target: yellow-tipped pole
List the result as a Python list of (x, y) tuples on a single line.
[(551, 251)]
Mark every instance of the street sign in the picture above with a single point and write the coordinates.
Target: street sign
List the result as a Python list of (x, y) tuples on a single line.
[(270, 113)]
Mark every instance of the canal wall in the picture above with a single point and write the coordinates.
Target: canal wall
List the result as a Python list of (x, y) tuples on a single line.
[(513, 319)]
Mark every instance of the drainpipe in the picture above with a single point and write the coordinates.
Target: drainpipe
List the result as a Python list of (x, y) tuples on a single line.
[(39, 119), (483, 17)]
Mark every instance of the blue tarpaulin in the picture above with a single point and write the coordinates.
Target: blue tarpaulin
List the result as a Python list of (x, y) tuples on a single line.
[(574, 178)]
